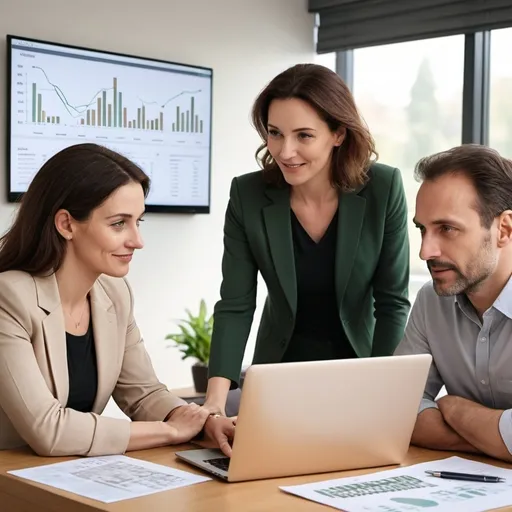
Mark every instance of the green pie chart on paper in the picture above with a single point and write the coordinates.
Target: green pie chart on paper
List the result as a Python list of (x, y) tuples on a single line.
[(416, 501)]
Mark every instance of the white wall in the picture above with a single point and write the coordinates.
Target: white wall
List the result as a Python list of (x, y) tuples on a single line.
[(246, 42)]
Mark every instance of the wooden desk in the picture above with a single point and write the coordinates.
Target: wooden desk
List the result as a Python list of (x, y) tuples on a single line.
[(18, 495)]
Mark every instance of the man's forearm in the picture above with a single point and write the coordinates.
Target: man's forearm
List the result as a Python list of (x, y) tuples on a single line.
[(431, 431), (476, 423)]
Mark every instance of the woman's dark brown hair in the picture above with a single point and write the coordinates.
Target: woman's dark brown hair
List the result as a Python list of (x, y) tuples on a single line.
[(78, 179), (326, 92)]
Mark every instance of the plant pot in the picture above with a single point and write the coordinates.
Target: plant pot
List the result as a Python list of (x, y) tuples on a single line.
[(200, 376)]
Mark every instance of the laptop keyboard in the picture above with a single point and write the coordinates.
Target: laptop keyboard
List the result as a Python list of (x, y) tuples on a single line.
[(220, 463)]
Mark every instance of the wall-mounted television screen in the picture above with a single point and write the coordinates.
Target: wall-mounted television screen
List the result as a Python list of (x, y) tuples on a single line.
[(156, 113)]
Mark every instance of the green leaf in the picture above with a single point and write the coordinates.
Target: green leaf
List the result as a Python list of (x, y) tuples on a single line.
[(194, 338), (202, 313)]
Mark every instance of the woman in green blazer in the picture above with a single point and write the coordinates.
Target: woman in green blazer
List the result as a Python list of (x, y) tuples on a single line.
[(324, 225)]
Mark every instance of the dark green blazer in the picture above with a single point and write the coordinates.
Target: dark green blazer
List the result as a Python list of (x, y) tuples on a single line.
[(372, 270)]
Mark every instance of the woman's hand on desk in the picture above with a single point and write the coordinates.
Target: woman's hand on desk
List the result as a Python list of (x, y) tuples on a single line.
[(186, 422), (221, 431)]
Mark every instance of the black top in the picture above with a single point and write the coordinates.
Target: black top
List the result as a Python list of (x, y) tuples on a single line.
[(317, 320), (82, 370)]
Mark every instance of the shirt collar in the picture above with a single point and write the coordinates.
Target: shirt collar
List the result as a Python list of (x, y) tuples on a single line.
[(503, 303)]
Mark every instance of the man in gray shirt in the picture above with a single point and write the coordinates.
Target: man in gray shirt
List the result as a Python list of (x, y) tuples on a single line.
[(463, 317)]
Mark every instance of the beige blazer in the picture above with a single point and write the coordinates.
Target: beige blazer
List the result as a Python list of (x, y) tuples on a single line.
[(34, 381)]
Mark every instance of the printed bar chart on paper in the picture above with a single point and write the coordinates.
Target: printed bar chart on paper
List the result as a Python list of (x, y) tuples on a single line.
[(156, 113), (410, 489)]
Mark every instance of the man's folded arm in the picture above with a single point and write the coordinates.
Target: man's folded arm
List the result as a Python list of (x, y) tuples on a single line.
[(432, 431), (488, 430)]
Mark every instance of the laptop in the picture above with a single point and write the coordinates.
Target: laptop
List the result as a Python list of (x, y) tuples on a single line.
[(321, 416)]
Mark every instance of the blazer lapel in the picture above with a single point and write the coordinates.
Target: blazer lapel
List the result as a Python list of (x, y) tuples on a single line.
[(48, 299), (350, 222), (279, 231), (104, 323)]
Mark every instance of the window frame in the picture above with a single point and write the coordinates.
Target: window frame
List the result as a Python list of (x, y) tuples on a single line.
[(475, 89)]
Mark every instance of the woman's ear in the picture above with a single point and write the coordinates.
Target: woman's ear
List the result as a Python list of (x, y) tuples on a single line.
[(340, 136), (63, 224)]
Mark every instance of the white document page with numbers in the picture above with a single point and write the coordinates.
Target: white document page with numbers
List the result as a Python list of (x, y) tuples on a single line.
[(111, 478)]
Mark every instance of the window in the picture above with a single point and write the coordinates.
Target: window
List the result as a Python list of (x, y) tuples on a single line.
[(326, 59), (410, 94), (500, 92)]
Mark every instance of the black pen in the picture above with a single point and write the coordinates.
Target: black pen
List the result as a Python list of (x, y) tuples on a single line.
[(465, 476)]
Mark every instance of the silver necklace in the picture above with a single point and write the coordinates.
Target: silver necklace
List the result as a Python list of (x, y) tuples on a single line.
[(77, 324)]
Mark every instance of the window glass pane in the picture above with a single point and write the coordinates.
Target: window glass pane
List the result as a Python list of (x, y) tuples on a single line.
[(326, 59), (500, 117), (410, 94)]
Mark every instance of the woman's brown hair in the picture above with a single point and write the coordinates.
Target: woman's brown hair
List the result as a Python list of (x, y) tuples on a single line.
[(77, 179), (328, 94)]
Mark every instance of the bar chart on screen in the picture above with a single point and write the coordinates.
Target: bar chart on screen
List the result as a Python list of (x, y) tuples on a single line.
[(105, 108), (157, 113), (57, 96)]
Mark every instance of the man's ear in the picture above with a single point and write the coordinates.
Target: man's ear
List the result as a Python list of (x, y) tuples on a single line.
[(505, 228)]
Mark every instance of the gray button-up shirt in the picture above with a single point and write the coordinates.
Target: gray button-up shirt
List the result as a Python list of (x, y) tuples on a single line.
[(472, 358)]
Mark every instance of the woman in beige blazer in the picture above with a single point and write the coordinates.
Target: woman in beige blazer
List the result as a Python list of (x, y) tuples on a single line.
[(68, 338)]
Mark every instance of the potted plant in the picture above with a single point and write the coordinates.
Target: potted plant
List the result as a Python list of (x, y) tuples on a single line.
[(193, 341)]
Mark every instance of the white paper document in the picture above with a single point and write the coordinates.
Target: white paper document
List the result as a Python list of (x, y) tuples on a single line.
[(111, 478), (410, 489)]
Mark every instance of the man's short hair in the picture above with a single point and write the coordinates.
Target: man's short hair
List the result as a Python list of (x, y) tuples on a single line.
[(490, 173)]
